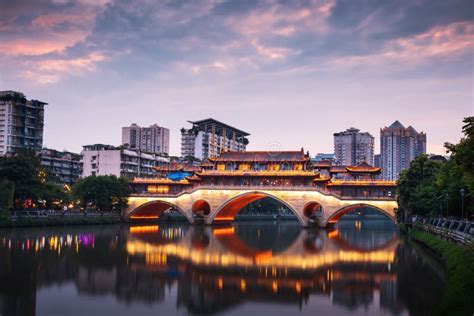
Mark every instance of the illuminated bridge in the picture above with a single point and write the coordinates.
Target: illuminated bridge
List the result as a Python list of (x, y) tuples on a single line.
[(216, 191)]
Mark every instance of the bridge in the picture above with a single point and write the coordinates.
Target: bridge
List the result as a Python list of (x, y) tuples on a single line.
[(316, 195), (223, 204)]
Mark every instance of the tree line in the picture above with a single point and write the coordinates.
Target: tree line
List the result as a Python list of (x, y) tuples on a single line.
[(434, 188), (25, 184)]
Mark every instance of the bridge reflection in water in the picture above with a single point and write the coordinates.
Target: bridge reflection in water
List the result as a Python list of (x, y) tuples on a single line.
[(272, 267), (271, 263)]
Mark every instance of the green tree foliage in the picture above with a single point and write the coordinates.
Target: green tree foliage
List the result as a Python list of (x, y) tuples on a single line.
[(104, 193), (433, 188), (417, 189), (23, 171), (458, 173), (52, 192), (26, 180), (7, 189)]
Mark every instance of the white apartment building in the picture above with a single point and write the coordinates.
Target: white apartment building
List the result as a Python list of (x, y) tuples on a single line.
[(153, 139), (109, 160), (352, 147), (208, 138)]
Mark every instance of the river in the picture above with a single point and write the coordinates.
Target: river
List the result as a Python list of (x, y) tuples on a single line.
[(362, 267)]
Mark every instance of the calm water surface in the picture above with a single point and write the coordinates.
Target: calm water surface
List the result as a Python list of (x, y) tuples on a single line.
[(268, 268)]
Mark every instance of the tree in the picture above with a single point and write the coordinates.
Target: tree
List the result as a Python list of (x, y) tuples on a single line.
[(417, 191), (431, 188), (23, 170), (105, 193), (459, 173), (54, 195), (7, 190)]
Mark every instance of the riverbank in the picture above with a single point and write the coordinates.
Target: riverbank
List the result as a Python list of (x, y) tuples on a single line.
[(459, 263), (6, 222)]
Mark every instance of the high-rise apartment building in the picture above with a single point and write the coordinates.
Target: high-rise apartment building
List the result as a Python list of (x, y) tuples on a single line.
[(208, 138), (352, 147), (399, 145), (153, 139), (21, 122)]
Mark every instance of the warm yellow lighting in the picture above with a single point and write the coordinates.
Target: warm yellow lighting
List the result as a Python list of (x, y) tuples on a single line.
[(298, 287), (275, 286), (144, 217), (158, 189), (333, 234), (220, 283), (242, 285), (144, 229), (223, 231), (224, 219)]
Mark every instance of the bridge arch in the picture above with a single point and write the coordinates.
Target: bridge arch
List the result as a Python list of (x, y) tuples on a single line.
[(334, 218), (229, 209), (201, 206), (312, 209), (153, 210)]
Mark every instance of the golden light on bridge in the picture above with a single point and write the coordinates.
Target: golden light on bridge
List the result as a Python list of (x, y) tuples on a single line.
[(230, 201)]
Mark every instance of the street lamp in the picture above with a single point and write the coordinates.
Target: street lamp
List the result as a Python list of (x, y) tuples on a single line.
[(462, 202), (447, 205)]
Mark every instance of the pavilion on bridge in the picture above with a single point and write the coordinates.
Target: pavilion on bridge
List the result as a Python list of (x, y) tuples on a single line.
[(286, 169)]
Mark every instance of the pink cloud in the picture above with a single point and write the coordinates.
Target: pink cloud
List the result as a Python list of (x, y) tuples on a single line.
[(52, 70), (39, 45), (280, 21), (47, 32), (272, 53), (439, 42)]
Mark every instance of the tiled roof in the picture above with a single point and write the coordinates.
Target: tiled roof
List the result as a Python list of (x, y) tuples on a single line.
[(338, 169), (322, 164), (363, 167), (262, 156)]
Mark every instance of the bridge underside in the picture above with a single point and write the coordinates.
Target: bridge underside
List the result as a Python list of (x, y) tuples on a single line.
[(221, 206)]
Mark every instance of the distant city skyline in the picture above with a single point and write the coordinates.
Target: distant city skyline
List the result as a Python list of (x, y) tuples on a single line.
[(290, 73)]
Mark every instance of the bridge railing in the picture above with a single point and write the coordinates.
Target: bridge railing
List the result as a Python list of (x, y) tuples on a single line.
[(263, 187), (459, 231)]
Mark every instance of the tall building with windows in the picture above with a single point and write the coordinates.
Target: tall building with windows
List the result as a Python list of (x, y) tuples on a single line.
[(208, 138), (352, 147), (153, 139), (64, 165), (101, 160), (399, 145), (21, 122)]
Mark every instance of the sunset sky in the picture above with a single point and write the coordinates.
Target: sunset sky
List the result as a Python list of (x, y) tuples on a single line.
[(291, 73)]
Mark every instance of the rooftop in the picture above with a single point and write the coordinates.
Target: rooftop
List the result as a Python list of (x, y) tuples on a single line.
[(396, 124), (220, 126), (262, 156)]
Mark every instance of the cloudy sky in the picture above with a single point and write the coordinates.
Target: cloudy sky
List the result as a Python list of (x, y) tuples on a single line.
[(291, 73)]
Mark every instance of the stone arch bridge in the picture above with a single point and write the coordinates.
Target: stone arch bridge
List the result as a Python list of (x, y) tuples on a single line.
[(222, 205)]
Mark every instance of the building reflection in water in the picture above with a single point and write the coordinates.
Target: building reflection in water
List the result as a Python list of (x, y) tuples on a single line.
[(213, 269)]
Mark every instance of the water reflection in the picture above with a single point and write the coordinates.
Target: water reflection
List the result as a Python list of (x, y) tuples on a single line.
[(259, 267)]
